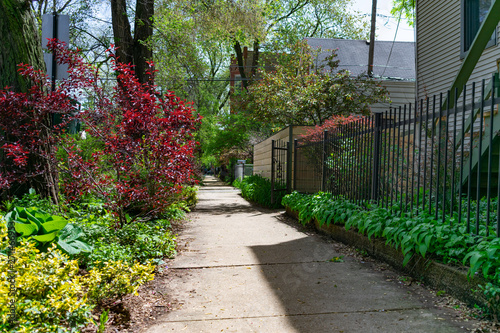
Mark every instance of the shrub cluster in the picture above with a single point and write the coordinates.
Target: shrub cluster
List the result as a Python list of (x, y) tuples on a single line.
[(57, 290), (258, 189), (109, 193), (51, 295)]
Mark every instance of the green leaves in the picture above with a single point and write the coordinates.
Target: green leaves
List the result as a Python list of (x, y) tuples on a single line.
[(413, 234), (25, 229), (44, 228), (295, 93), (53, 223), (404, 8), (69, 240), (258, 189)]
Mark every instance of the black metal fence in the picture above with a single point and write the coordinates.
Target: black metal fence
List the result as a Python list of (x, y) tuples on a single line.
[(440, 155), (280, 168)]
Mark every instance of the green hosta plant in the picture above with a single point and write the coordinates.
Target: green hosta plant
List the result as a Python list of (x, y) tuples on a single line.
[(45, 229)]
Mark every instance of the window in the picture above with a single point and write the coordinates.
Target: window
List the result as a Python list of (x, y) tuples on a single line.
[(473, 14)]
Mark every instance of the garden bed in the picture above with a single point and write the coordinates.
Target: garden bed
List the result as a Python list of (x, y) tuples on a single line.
[(453, 280)]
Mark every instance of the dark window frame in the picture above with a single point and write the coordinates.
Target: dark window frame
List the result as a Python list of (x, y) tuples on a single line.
[(465, 16)]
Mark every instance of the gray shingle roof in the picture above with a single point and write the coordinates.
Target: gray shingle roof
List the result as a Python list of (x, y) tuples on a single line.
[(353, 56)]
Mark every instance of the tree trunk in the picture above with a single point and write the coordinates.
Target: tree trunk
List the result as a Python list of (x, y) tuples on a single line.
[(19, 43), (241, 64), (121, 31), (255, 59), (144, 12), (133, 49)]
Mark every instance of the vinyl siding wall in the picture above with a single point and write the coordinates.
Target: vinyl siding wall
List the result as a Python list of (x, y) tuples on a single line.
[(400, 93), (438, 48)]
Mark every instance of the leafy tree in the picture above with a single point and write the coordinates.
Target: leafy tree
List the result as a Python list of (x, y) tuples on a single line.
[(405, 8), (194, 40), (147, 146), (270, 25), (292, 21), (230, 137), (145, 138), (300, 93), (190, 61)]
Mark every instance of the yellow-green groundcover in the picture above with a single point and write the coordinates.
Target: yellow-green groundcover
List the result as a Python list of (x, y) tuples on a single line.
[(51, 295)]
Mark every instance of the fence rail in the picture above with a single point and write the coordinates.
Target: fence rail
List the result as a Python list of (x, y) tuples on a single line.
[(439, 156)]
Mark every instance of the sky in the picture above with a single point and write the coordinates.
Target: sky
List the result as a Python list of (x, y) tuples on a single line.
[(386, 23)]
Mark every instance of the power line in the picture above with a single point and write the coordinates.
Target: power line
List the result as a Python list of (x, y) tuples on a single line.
[(233, 80), (395, 36)]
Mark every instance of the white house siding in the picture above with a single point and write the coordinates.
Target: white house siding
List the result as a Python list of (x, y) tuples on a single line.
[(400, 93), (438, 48)]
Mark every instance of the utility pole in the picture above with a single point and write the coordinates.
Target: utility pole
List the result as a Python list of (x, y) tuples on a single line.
[(372, 38)]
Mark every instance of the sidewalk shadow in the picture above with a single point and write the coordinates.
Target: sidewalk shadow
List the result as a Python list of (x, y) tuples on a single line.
[(299, 274), (321, 291), (229, 209)]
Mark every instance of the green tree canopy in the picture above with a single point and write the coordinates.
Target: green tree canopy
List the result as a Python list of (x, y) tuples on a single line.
[(405, 8), (299, 92), (194, 42)]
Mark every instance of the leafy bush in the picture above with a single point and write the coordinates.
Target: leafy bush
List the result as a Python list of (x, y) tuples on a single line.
[(189, 196), (147, 146), (320, 206), (30, 199), (258, 189), (137, 241), (237, 183), (141, 148), (51, 296), (116, 279), (45, 229)]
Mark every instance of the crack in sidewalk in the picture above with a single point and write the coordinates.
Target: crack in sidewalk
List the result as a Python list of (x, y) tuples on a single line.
[(299, 315), (249, 265)]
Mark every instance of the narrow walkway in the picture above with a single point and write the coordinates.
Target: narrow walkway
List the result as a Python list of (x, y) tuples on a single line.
[(249, 270)]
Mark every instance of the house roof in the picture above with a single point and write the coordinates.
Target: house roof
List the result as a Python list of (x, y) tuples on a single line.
[(353, 56)]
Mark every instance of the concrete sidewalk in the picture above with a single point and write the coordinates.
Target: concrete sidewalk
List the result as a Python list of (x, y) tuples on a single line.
[(250, 270)]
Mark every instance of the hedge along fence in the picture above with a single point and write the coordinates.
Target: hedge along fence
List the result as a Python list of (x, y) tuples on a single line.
[(417, 237), (258, 189)]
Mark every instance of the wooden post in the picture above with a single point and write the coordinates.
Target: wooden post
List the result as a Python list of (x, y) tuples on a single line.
[(372, 38)]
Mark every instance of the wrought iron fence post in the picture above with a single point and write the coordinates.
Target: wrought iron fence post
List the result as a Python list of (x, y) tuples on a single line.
[(272, 172), (323, 173), (376, 158), (295, 144), (289, 167)]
